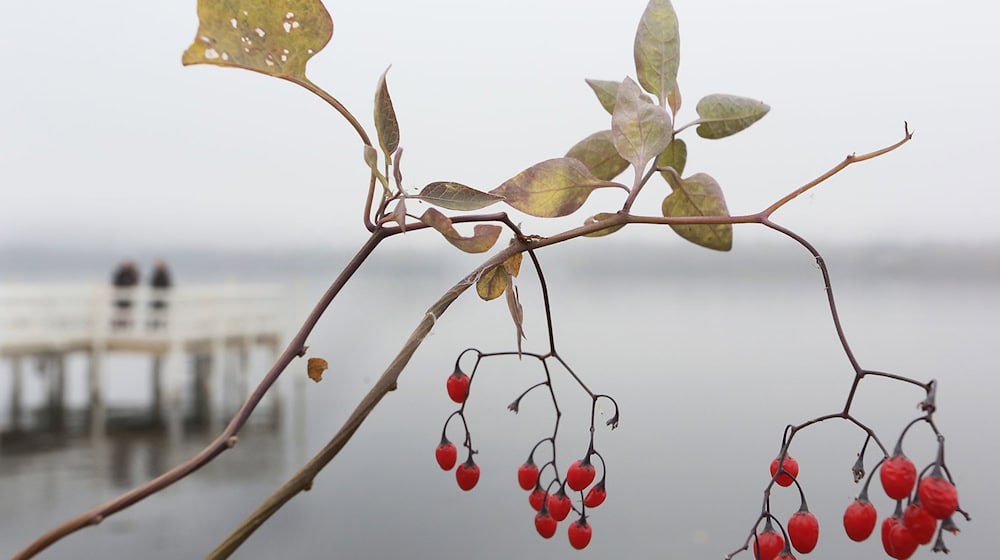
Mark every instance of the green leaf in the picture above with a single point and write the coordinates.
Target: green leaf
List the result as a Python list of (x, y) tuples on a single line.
[(599, 154), (385, 118), (674, 156), (700, 195), (640, 131), (724, 115), (493, 283), (596, 218), (657, 49), (271, 37), (456, 196), (607, 93), (552, 188), (483, 238)]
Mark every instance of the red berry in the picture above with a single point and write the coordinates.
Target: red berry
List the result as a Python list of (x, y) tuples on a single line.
[(790, 467), (859, 520), (579, 533), (920, 523), (458, 386), (596, 496), (803, 531), (446, 454), (544, 524), (580, 474), (902, 542), (467, 475), (898, 475), (768, 545), (559, 505), (527, 475), (887, 524), (897, 541), (937, 495), (537, 498)]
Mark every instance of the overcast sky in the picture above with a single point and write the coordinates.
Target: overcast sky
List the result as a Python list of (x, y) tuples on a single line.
[(106, 140)]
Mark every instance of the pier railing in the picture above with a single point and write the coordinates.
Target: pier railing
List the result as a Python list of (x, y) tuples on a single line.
[(45, 323), (66, 317)]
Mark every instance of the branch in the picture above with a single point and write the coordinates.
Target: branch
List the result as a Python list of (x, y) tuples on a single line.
[(303, 479)]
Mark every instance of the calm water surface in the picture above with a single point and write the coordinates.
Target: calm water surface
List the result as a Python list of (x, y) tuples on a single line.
[(707, 368)]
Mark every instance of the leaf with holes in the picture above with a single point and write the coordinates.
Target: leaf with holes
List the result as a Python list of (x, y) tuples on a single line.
[(385, 118), (599, 154), (552, 188), (640, 131), (724, 115), (674, 156), (493, 282), (700, 195), (657, 49), (607, 93), (456, 196), (271, 37), (597, 218), (483, 238)]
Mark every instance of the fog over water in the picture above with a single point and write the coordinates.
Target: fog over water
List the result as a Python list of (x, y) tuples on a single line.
[(709, 356)]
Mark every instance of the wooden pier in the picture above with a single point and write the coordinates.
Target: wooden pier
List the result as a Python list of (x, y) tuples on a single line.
[(194, 331)]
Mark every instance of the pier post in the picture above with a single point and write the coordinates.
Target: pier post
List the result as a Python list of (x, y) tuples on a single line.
[(100, 323), (216, 369), (174, 375), (55, 366), (156, 397), (95, 389), (17, 386)]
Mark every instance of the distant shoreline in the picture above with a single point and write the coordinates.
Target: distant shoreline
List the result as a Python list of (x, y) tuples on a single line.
[(23, 263)]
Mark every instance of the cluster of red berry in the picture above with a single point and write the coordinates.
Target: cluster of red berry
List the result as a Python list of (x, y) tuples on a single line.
[(935, 500), (555, 507), (551, 501)]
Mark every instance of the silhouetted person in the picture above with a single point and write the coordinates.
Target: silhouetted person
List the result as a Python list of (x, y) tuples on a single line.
[(160, 284), (124, 280)]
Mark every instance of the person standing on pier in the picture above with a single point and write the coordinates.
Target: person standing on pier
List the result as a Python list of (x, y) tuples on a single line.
[(124, 280), (160, 284)]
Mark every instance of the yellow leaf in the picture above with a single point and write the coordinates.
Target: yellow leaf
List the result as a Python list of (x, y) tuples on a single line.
[(493, 283)]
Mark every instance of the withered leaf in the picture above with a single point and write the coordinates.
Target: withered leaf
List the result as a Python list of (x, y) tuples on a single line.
[(483, 237), (315, 368)]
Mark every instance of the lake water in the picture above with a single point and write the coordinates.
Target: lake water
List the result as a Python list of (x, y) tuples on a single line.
[(709, 356)]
